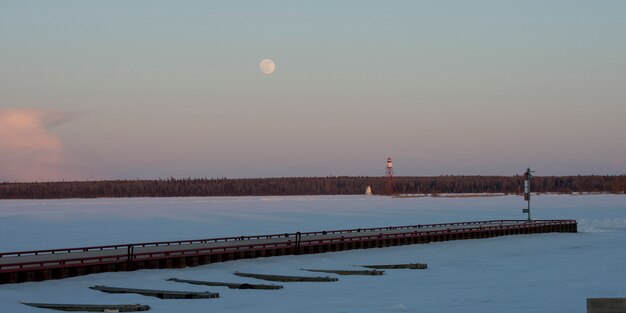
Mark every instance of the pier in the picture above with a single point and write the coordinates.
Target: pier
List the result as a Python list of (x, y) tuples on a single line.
[(39, 265)]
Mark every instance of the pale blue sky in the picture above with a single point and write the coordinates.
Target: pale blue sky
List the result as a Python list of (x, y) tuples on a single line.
[(149, 89)]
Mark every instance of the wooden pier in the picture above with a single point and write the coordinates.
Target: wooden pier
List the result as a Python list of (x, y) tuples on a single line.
[(39, 265)]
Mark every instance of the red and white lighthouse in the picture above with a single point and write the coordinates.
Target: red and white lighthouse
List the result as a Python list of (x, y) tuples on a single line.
[(389, 176)]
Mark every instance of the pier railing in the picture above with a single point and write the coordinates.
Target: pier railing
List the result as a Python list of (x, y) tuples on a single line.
[(125, 253), (256, 237)]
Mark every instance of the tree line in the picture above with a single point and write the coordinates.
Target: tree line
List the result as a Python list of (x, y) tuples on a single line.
[(286, 186)]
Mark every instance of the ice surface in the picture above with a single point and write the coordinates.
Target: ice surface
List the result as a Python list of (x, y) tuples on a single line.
[(526, 273)]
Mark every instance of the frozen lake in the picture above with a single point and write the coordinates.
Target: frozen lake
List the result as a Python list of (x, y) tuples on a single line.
[(529, 273)]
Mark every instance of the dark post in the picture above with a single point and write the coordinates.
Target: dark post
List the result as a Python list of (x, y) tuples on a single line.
[(527, 177)]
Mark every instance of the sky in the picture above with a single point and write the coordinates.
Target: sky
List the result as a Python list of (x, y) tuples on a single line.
[(149, 89)]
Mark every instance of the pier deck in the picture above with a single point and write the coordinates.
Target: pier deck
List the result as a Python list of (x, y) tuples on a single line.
[(60, 263)]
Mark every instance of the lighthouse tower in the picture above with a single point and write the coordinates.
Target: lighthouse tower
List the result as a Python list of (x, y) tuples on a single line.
[(389, 176)]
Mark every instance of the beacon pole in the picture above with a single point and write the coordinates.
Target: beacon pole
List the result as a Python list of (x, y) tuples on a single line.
[(527, 177)]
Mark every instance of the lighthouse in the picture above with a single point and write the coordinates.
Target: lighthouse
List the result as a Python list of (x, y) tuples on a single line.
[(389, 176)]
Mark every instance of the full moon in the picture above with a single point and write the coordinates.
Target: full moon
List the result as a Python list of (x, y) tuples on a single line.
[(267, 66)]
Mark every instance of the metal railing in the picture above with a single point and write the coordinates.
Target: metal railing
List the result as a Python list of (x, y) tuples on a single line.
[(356, 235)]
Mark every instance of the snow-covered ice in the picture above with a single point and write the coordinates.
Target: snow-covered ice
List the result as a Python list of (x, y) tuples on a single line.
[(526, 273)]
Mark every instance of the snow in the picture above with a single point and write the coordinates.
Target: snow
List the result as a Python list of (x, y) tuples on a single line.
[(526, 273)]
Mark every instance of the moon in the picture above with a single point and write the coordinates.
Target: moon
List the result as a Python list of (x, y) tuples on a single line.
[(267, 66)]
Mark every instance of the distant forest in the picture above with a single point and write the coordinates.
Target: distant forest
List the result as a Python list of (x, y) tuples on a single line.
[(287, 186)]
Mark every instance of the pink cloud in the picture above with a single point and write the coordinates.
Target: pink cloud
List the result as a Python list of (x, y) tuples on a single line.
[(29, 151)]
